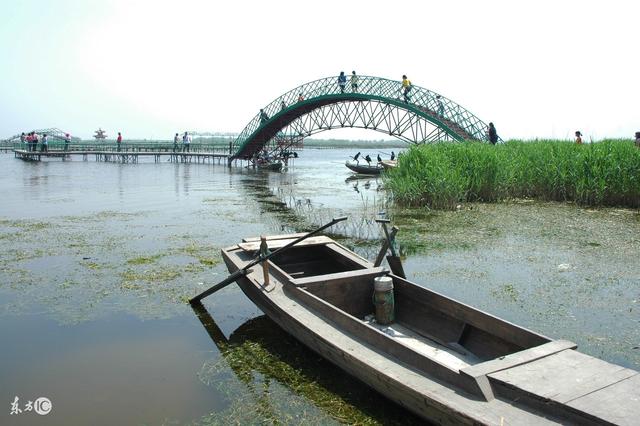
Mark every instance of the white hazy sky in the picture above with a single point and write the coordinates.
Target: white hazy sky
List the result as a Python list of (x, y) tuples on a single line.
[(537, 69)]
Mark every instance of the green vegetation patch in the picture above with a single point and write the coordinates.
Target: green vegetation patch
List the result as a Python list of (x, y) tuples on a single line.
[(440, 176), (144, 260)]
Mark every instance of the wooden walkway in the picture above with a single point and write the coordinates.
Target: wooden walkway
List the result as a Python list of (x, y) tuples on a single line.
[(125, 156)]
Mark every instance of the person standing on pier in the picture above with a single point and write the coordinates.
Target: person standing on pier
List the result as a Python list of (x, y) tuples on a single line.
[(45, 143), (186, 142), (176, 140), (23, 139), (119, 141), (29, 141), (35, 141), (67, 139)]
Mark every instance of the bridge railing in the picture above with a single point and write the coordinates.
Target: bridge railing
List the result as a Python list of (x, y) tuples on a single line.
[(383, 88), (60, 146)]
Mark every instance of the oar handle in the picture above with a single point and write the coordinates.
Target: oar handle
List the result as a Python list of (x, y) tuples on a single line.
[(231, 278)]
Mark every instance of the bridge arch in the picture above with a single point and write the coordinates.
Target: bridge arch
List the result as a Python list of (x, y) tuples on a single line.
[(377, 104)]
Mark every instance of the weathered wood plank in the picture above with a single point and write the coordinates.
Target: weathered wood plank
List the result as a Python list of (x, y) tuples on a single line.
[(276, 244), (518, 358), (563, 376), (618, 403), (328, 279), (275, 237)]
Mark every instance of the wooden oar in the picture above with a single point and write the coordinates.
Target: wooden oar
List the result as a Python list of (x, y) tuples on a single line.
[(240, 272), (394, 260)]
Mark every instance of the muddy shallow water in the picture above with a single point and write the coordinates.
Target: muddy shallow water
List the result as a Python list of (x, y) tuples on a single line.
[(97, 261)]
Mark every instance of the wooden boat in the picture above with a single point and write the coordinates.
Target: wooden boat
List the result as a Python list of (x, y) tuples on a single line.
[(273, 166), (389, 164), (442, 359), (364, 169)]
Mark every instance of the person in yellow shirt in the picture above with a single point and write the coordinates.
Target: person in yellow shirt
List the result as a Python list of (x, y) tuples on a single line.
[(406, 88)]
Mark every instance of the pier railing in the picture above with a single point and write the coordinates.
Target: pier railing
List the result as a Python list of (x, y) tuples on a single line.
[(60, 146)]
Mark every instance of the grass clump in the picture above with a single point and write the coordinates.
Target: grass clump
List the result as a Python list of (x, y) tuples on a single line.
[(442, 175)]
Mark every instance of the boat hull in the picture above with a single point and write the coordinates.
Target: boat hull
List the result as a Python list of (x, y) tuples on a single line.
[(364, 170), (508, 376)]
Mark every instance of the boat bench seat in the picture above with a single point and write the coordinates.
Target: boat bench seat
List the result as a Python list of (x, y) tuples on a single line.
[(351, 291)]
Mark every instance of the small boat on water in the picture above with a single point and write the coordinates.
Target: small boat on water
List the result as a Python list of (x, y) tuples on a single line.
[(273, 166), (364, 169), (389, 164), (442, 359)]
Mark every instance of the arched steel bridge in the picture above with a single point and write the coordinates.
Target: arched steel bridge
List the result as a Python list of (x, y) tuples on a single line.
[(377, 104), (53, 133)]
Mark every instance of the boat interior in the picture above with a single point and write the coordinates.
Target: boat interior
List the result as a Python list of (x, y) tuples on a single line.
[(431, 332)]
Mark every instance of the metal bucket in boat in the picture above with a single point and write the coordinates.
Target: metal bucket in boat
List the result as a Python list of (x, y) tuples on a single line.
[(383, 300)]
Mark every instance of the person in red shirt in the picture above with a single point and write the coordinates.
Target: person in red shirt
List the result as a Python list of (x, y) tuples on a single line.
[(119, 141)]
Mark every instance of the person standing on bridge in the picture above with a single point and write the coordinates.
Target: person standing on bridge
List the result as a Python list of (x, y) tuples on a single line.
[(263, 116), (283, 106), (406, 88), (354, 82), (300, 97), (493, 134), (342, 81), (176, 140), (440, 106)]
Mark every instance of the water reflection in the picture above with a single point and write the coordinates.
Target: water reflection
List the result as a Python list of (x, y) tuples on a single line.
[(265, 359)]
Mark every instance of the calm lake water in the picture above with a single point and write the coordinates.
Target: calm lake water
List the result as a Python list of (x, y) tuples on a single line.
[(97, 261)]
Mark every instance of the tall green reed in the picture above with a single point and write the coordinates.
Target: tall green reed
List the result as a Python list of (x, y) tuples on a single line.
[(442, 175)]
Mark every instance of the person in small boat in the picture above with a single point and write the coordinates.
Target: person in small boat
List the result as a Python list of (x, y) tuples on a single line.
[(393, 155), (367, 159), (379, 159), (355, 157), (263, 116), (578, 137), (493, 134), (342, 81)]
